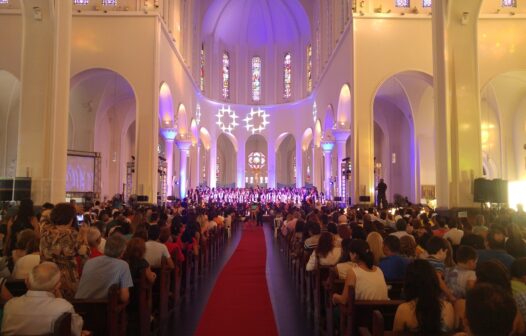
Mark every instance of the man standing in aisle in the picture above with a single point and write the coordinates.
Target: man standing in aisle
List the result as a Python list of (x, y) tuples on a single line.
[(381, 200)]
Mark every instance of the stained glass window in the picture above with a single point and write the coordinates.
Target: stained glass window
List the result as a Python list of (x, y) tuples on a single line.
[(109, 2), (4, 2), (78, 2), (287, 76), (427, 3), (226, 75), (309, 68), (402, 3), (509, 3), (256, 78), (202, 69)]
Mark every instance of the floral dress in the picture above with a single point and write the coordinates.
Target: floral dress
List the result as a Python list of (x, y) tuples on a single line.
[(61, 244)]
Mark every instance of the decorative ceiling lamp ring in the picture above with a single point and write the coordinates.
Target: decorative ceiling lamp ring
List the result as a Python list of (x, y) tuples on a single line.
[(251, 126), (226, 119)]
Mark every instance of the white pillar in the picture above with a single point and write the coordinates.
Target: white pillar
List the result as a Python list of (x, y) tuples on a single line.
[(197, 171), (341, 136), (327, 147), (240, 163), (169, 137), (271, 164), (299, 164), (184, 147), (457, 101), (213, 164), (44, 99)]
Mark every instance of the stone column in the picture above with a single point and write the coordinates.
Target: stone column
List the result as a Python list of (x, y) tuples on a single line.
[(44, 99), (457, 101), (169, 137), (327, 147), (299, 164), (213, 164), (240, 163), (184, 146), (341, 135), (271, 164)]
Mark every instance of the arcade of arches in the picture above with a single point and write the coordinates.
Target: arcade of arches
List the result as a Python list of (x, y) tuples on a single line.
[(269, 93)]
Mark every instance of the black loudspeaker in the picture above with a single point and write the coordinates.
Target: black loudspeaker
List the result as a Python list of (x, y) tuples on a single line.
[(499, 191), (142, 198), (482, 190), (365, 199), (22, 188), (6, 189), (492, 191), (338, 199), (349, 200)]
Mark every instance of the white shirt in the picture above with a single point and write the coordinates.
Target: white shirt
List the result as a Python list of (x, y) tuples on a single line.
[(454, 235), (155, 251), (400, 234), (331, 259), (370, 285), (35, 313), (25, 265)]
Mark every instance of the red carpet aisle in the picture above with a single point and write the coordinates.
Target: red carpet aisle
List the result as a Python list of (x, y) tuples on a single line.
[(240, 303)]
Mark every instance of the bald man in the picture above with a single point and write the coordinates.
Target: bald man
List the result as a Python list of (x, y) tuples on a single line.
[(35, 312)]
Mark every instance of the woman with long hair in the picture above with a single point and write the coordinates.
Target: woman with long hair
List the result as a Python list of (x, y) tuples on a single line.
[(376, 241), (368, 280), (24, 219), (325, 254), (424, 312)]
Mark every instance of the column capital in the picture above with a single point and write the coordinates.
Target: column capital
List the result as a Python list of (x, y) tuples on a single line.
[(327, 146), (341, 134), (168, 134), (183, 144)]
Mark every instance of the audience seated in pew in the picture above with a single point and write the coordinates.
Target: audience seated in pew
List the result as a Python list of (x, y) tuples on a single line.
[(36, 312), (325, 254), (393, 265), (518, 284), (462, 277), (94, 241), (156, 250), (100, 273), (424, 312), (367, 279)]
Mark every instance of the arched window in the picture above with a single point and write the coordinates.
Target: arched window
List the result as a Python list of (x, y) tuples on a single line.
[(427, 3), (509, 3), (256, 78), (287, 76), (109, 2), (75, 2), (309, 68), (226, 75), (202, 68), (402, 3)]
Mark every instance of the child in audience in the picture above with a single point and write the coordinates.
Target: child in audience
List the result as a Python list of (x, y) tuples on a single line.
[(437, 250), (462, 277)]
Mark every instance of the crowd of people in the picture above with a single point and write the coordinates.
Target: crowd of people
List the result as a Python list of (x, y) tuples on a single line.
[(459, 275), (66, 252)]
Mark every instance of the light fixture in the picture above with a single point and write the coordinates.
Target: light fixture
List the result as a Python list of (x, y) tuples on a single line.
[(253, 127), (314, 112), (223, 114), (198, 114)]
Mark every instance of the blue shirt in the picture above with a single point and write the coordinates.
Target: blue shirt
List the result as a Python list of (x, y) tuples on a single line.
[(500, 255), (394, 267), (99, 274)]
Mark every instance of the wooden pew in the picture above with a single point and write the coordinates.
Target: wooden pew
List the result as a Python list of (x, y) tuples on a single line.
[(377, 327), (358, 313), (62, 326), (17, 287), (142, 290), (103, 316), (160, 296)]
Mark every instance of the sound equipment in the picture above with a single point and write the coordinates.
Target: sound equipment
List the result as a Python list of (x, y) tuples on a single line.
[(365, 199), (492, 191), (142, 198), (338, 199), (22, 188), (6, 189), (349, 200), (481, 190)]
